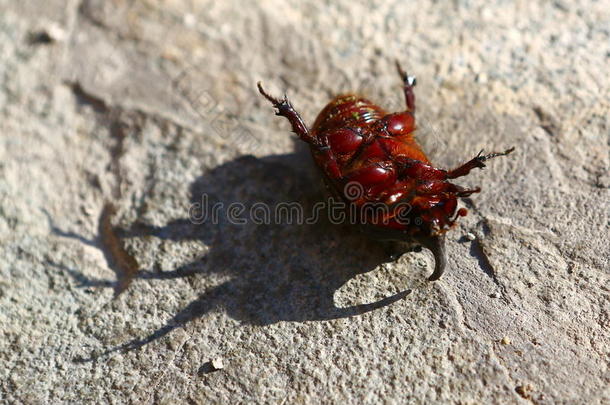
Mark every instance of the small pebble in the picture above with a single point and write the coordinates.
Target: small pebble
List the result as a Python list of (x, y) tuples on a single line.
[(525, 390), (494, 295), (217, 364), (470, 236), (51, 32), (189, 20), (505, 340), (57, 32)]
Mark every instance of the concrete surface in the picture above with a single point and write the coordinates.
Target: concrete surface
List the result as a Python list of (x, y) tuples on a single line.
[(118, 116)]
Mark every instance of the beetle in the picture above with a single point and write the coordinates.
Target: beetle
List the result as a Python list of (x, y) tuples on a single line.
[(369, 157)]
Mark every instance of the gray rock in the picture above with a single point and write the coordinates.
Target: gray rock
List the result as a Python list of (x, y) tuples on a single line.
[(147, 107)]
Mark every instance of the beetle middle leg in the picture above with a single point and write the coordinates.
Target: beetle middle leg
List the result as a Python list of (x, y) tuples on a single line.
[(477, 161), (285, 109), (408, 85)]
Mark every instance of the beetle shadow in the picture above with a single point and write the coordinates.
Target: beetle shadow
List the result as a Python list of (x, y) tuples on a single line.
[(279, 270)]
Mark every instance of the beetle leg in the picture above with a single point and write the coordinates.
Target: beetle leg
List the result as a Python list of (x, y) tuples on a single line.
[(285, 109), (330, 165), (415, 169), (408, 83), (477, 161), (463, 192)]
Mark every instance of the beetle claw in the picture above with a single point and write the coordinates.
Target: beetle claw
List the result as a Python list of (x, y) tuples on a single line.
[(268, 96), (408, 80), (494, 154)]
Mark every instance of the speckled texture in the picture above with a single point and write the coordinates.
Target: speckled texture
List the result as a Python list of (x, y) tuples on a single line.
[(150, 105)]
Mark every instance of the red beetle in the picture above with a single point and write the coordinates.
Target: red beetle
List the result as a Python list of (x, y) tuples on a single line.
[(369, 157)]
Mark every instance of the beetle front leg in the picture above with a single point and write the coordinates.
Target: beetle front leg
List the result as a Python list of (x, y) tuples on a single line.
[(477, 161), (285, 109), (328, 162), (408, 85)]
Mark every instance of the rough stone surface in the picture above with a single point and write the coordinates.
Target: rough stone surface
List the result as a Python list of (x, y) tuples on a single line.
[(150, 105)]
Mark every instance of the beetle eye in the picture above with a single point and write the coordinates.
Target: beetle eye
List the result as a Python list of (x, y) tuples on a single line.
[(400, 123)]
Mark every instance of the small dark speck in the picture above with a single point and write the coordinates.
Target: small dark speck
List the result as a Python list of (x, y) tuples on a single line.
[(463, 239), (40, 38)]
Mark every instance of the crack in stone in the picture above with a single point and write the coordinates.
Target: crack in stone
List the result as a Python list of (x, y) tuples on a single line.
[(108, 240), (87, 98), (546, 121), (461, 318), (477, 250), (124, 264)]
